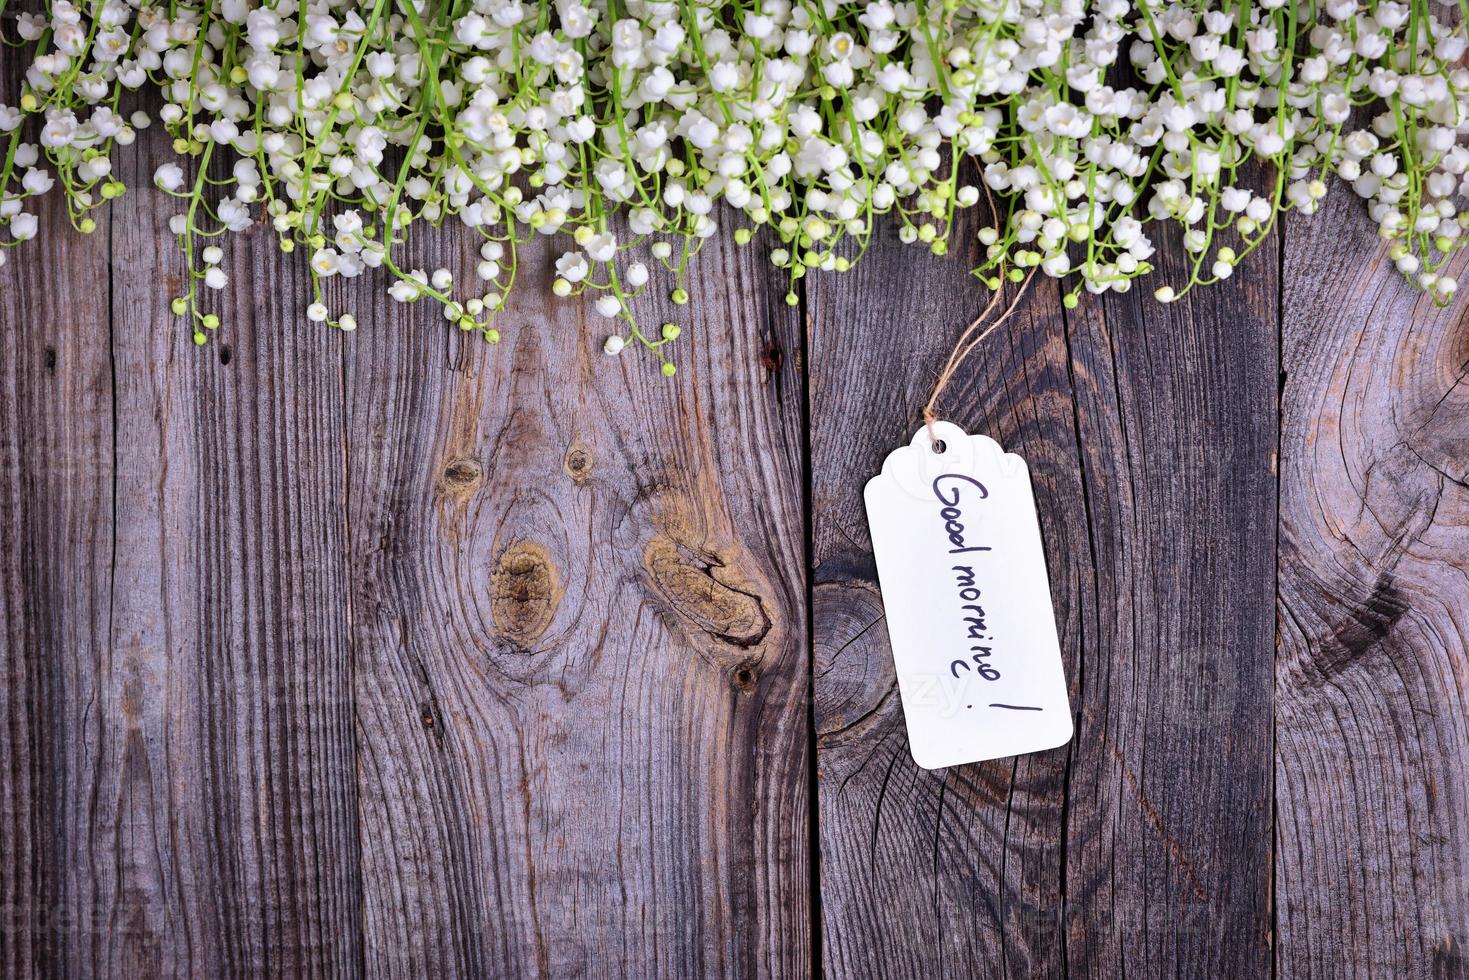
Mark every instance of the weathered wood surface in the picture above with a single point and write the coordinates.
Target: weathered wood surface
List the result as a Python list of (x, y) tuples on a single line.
[(1143, 849), (401, 655), (580, 645), (1372, 671)]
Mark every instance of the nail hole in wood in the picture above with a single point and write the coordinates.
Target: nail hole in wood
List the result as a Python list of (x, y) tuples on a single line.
[(428, 716), (772, 357)]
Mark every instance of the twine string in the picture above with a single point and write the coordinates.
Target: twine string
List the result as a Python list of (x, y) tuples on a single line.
[(965, 346)]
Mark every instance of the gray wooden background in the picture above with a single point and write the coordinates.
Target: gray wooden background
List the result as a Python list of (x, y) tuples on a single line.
[(399, 655)]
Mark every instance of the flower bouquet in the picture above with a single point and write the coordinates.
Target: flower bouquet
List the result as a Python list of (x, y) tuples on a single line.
[(1087, 129)]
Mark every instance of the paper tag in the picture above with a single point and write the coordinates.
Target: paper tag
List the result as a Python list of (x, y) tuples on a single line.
[(967, 600)]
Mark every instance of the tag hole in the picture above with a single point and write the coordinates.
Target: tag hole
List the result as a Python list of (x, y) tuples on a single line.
[(938, 447)]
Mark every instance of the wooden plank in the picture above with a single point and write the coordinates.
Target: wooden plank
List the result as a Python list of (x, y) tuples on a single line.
[(213, 820), (1169, 824), (1143, 848), (1372, 678), (946, 873), (580, 632), (56, 475)]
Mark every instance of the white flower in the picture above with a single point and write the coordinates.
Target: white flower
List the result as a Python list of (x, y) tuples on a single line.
[(36, 181), (381, 64), (601, 247), (326, 262), (613, 345), (60, 130), (572, 266), (23, 226), (170, 177), (608, 306), (234, 214), (348, 226), (636, 275), (1234, 199), (581, 129), (724, 76), (1066, 120)]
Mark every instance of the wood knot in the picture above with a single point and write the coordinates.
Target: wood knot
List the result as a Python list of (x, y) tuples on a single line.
[(133, 698), (461, 476), (578, 462), (693, 588), (745, 678), (525, 592), (1368, 624), (850, 654)]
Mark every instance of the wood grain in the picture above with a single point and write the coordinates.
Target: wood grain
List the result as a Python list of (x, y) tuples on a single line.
[(182, 744), (1150, 435), (227, 717), (579, 627), (431, 659), (399, 655), (942, 873), (56, 479), (1169, 799), (1372, 764)]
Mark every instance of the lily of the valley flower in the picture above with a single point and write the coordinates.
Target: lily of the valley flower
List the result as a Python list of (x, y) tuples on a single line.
[(1096, 127)]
